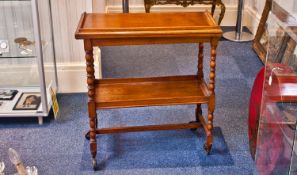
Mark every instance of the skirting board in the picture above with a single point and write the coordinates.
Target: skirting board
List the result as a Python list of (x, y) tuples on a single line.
[(72, 77), (252, 19)]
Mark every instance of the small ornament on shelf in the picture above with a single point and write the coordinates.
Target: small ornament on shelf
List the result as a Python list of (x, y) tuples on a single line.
[(4, 47), (24, 43), (7, 94), (2, 167), (32, 170), (16, 160)]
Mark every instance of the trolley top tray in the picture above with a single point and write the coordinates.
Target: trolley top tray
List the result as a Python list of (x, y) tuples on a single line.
[(99, 26)]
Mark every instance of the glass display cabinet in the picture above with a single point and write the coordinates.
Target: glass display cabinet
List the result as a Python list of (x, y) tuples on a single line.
[(276, 151), (28, 75)]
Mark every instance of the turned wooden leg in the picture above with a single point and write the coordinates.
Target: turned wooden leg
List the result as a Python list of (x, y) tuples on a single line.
[(198, 112), (91, 99), (93, 143), (200, 77), (200, 62), (147, 5), (147, 8), (222, 14), (209, 134), (211, 104), (213, 8)]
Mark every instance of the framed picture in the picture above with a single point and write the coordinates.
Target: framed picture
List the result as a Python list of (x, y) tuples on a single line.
[(7, 94), (290, 53), (261, 37), (278, 41), (277, 36), (28, 101)]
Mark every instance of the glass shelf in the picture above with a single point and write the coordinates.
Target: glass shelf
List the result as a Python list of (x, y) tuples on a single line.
[(27, 52), (22, 53), (16, 0), (4, 56)]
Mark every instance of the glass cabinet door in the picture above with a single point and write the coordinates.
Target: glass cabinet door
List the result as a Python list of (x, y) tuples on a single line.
[(276, 148), (27, 61), (17, 54), (47, 44)]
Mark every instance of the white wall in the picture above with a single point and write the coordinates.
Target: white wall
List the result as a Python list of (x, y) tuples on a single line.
[(66, 14), (138, 6), (254, 8), (256, 5), (99, 6), (69, 51), (290, 5)]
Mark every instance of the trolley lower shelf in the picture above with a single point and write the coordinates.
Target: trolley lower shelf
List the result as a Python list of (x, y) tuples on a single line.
[(154, 91)]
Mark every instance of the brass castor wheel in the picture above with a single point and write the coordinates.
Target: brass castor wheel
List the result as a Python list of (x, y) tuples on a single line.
[(193, 129), (87, 135), (207, 148), (94, 164)]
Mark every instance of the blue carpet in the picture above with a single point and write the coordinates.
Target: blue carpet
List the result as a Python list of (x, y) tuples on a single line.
[(164, 149), (59, 147)]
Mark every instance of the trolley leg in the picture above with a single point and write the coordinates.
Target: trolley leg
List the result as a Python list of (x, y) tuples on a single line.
[(198, 112), (222, 14), (87, 135), (40, 120), (147, 6), (91, 99), (211, 103), (213, 8), (209, 135), (200, 75)]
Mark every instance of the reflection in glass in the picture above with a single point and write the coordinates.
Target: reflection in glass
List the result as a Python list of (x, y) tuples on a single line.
[(276, 148)]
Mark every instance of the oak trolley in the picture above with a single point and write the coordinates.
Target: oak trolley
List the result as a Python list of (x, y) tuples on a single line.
[(149, 28)]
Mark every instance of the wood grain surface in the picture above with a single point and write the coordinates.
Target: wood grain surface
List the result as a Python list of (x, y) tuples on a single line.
[(100, 26), (136, 92)]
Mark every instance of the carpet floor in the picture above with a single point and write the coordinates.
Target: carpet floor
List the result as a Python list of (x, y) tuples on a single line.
[(59, 146)]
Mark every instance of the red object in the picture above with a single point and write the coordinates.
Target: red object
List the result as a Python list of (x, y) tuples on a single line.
[(270, 145), (280, 86), (254, 110)]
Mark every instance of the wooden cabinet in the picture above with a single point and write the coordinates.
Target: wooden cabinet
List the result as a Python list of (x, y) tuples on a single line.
[(149, 3), (153, 28)]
